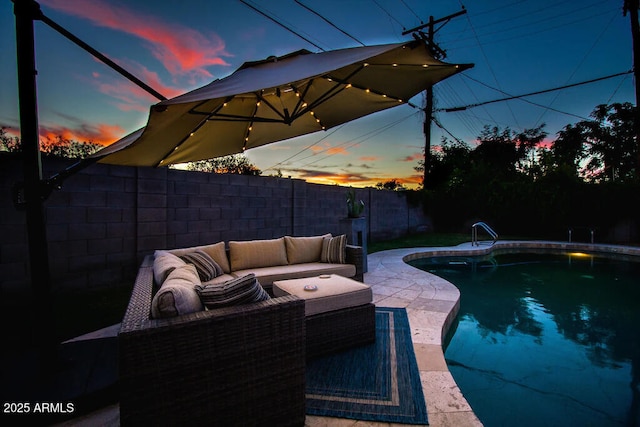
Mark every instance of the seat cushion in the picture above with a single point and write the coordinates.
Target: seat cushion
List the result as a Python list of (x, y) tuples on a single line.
[(267, 275), (332, 292)]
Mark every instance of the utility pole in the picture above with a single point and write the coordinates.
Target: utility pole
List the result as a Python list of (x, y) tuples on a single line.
[(439, 54), (631, 7)]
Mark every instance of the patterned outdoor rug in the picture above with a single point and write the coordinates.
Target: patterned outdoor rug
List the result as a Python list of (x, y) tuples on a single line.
[(377, 382)]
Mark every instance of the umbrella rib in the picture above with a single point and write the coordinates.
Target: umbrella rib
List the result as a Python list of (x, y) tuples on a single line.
[(194, 130), (330, 93)]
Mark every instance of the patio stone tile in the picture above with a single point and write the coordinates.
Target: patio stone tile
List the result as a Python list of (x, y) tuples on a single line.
[(443, 395), (454, 419), (426, 304), (394, 302), (430, 357)]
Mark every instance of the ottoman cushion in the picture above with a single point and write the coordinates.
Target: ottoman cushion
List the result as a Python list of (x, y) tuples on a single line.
[(333, 293)]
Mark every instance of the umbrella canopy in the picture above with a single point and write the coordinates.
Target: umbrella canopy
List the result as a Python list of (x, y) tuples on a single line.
[(279, 98)]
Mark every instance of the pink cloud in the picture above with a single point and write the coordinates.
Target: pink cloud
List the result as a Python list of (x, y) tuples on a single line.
[(413, 157), (180, 49)]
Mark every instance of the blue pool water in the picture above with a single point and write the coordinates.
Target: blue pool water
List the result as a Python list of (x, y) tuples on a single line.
[(546, 340)]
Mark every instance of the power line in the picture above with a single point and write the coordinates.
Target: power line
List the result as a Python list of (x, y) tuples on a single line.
[(411, 10), (546, 107), (280, 24), (329, 22), (306, 148), (449, 110), (584, 58), (484, 54), (350, 143)]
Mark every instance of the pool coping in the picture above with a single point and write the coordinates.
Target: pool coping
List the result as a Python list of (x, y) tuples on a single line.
[(432, 304)]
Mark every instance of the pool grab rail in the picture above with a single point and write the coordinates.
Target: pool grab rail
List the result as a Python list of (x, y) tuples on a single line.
[(485, 226)]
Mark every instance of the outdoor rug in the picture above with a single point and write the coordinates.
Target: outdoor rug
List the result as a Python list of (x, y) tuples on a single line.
[(376, 382)]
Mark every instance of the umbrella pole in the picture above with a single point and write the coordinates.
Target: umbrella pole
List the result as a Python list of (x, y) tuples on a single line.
[(42, 335)]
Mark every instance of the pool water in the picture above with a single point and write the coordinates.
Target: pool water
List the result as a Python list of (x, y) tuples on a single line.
[(546, 340)]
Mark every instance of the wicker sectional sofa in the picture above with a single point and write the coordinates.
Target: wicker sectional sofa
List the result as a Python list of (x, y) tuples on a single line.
[(236, 365)]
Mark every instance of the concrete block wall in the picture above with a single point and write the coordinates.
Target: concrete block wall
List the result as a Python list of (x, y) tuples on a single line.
[(107, 218)]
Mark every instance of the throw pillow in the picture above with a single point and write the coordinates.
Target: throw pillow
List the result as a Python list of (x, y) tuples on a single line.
[(206, 267), (177, 296), (334, 249), (163, 264), (243, 290)]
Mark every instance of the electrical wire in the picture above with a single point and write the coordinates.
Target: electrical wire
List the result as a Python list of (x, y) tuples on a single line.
[(329, 22), (449, 110), (360, 139), (280, 24), (584, 58)]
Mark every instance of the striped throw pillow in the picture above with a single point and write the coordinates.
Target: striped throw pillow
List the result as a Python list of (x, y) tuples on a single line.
[(243, 290), (334, 249), (206, 267)]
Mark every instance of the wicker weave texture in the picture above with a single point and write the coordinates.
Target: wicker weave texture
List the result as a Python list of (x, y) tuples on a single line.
[(340, 329), (241, 365)]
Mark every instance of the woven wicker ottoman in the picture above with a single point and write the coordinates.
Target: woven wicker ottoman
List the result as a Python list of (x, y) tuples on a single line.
[(338, 312)]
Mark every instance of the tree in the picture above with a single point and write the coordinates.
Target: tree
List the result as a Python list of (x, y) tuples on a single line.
[(453, 159), (8, 143), (391, 184), (506, 151), (235, 164), (611, 145), (59, 146), (569, 149)]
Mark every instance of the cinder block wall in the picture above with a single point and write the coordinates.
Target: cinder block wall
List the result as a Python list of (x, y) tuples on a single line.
[(106, 218)]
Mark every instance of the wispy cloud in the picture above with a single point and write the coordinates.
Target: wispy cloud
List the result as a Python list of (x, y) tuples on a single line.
[(369, 158), (181, 50)]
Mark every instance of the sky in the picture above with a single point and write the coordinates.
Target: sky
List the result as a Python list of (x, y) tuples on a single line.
[(517, 47)]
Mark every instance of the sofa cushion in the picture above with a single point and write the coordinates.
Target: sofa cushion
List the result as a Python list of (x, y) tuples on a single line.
[(206, 267), (334, 249), (177, 295), (267, 275), (163, 264), (216, 251), (243, 290), (303, 249), (257, 253)]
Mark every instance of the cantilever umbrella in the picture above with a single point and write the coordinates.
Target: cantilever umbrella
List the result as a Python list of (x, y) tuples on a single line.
[(279, 98)]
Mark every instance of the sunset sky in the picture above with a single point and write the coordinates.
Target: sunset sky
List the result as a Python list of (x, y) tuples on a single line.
[(517, 46)]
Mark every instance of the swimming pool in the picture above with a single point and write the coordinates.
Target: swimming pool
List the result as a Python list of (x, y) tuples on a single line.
[(545, 339)]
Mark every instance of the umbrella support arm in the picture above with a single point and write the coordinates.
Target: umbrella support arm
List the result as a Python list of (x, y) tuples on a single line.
[(46, 186), (41, 16)]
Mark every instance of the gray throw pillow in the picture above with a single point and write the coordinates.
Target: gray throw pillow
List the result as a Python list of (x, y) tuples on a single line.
[(243, 290), (206, 267)]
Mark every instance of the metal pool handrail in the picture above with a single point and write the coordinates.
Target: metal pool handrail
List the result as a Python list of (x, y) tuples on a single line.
[(485, 226)]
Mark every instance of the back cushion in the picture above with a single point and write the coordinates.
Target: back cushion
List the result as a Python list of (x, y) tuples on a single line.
[(216, 251), (163, 264), (178, 295), (257, 253), (304, 249)]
